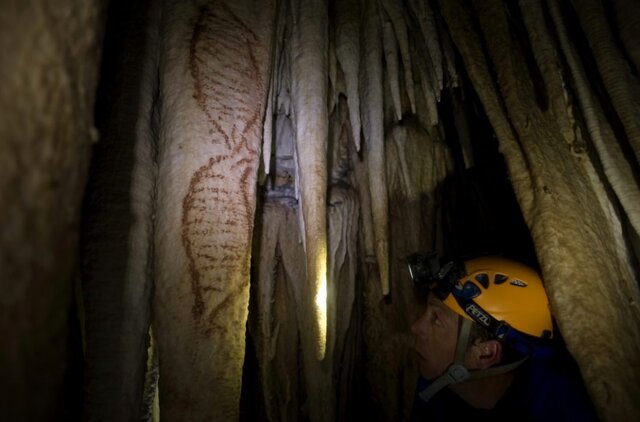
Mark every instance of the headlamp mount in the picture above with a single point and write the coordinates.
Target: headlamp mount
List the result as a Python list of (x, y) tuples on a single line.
[(437, 274)]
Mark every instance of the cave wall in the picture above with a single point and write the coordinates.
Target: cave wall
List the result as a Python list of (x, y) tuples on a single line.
[(378, 131)]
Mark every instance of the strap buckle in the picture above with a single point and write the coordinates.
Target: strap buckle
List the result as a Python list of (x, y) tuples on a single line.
[(457, 373)]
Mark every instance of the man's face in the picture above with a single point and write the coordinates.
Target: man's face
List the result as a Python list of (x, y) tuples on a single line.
[(436, 335)]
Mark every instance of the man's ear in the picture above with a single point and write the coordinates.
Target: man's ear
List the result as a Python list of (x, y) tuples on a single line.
[(486, 354)]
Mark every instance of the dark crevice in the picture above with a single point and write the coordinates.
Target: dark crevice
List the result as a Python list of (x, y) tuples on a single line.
[(480, 213), (108, 216), (610, 16)]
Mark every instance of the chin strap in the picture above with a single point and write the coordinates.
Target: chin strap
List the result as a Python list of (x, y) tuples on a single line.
[(457, 372)]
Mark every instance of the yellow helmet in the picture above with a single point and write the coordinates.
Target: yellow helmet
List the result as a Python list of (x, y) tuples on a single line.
[(499, 290), (505, 297)]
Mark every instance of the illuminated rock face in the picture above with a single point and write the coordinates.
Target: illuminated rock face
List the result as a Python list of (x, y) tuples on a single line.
[(306, 149), (208, 159)]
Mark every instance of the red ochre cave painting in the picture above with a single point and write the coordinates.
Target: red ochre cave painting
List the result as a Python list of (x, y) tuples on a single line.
[(227, 83), (217, 211)]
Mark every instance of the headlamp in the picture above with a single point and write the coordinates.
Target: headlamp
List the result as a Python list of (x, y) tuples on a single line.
[(440, 276)]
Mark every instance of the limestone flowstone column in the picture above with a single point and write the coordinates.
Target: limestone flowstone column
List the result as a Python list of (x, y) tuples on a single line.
[(214, 80)]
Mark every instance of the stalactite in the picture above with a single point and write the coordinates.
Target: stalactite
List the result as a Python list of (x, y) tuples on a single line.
[(343, 220), (286, 360), (265, 290), (424, 14), (334, 88), (277, 335), (426, 93), (396, 15), (309, 83), (275, 324), (372, 101), (429, 92), (622, 86), (324, 377), (283, 70), (361, 177), (423, 162), (285, 167), (284, 131), (421, 45), (395, 177), (348, 53), (462, 130), (391, 60), (616, 167), (398, 135), (275, 86), (547, 59), (449, 55), (340, 136), (267, 129), (343, 225), (388, 108), (317, 379), (460, 26)]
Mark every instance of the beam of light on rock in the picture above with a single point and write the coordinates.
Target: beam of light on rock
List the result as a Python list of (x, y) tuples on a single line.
[(321, 305)]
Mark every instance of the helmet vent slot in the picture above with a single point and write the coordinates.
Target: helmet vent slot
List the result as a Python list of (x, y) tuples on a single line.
[(518, 283), (500, 278), (483, 279)]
